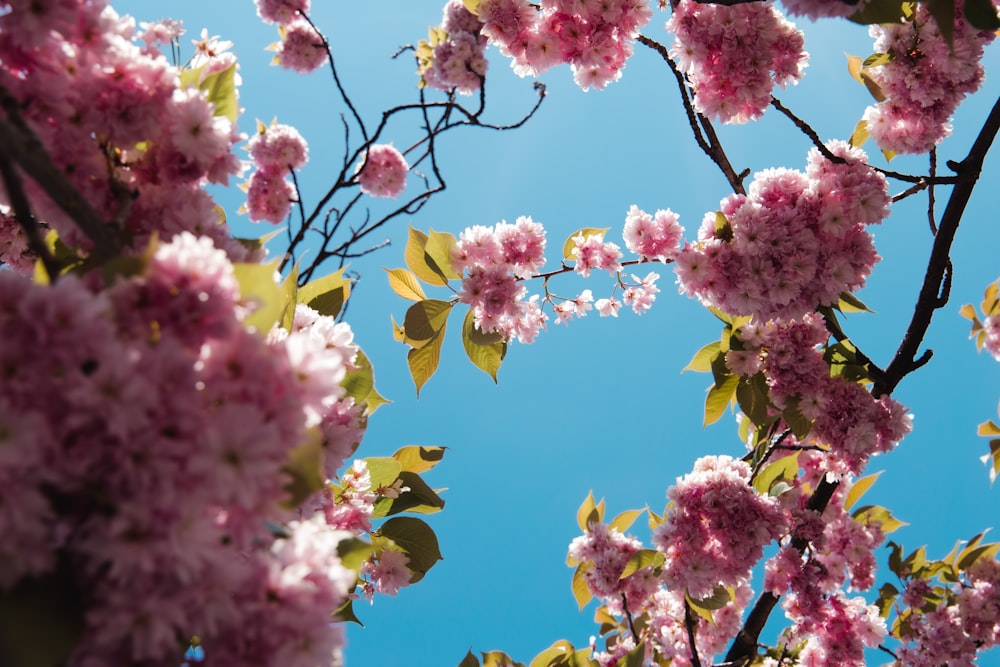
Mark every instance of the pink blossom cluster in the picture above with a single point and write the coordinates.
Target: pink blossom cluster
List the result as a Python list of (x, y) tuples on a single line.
[(458, 62), (590, 252), (795, 241), (953, 634), (846, 418), (925, 80), (668, 629), (493, 258), (605, 552), (734, 55), (716, 527), (835, 632), (115, 119), (652, 237), (274, 150), (594, 38), (14, 250), (146, 430), (350, 505), (381, 171), (302, 48)]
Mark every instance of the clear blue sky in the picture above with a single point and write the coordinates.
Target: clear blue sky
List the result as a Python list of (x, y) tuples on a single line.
[(601, 405)]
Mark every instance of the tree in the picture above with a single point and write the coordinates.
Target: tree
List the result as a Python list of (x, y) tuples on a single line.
[(847, 362)]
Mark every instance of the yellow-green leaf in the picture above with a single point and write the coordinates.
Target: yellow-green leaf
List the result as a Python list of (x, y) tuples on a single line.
[(586, 507), (405, 284), (554, 656), (259, 289), (423, 361), (854, 67), (416, 259), (860, 134), (786, 468), (326, 295), (876, 514), (416, 538), (624, 521), (424, 320), (220, 88), (859, 488), (439, 248), (718, 399), (642, 559), (486, 357), (304, 467), (701, 362), (417, 459), (581, 592)]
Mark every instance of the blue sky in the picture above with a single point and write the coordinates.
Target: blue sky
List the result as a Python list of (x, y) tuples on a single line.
[(601, 405)]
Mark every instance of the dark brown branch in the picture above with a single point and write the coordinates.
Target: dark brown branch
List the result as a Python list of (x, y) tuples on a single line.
[(690, 623), (807, 130), (701, 127), (933, 292), (22, 213), (23, 147)]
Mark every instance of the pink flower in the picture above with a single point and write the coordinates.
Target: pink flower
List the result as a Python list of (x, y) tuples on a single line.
[(301, 48), (652, 237), (382, 171), (269, 196), (281, 11), (278, 148)]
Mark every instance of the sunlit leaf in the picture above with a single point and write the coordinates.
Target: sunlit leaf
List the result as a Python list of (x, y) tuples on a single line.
[(259, 289), (586, 507), (701, 362), (854, 67), (220, 87), (718, 399), (581, 592), (353, 552), (642, 559), (786, 468), (420, 498), (860, 134), (486, 357), (326, 295), (470, 660), (438, 249), (858, 489), (875, 514), (416, 259), (405, 284), (634, 658), (425, 319), (304, 467), (415, 458), (624, 521), (423, 361)]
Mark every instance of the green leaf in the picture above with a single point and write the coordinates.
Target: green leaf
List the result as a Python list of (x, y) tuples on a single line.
[(798, 422), (570, 243), (359, 383), (581, 592), (723, 230), (420, 498), (353, 552), (854, 67), (718, 399), (326, 295), (701, 362), (874, 513), (41, 620), (642, 559), (345, 613), (383, 471), (416, 538), (289, 289), (423, 361), (719, 598), (786, 468), (586, 507), (415, 458), (981, 14), (752, 396), (499, 659), (425, 320), (304, 466), (886, 596), (220, 88), (417, 259), (405, 284), (858, 489), (877, 59), (849, 303), (438, 249), (557, 655), (968, 557), (257, 287), (486, 357), (624, 521)]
